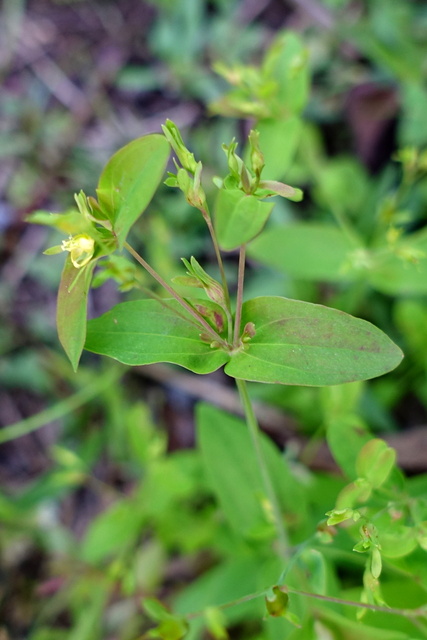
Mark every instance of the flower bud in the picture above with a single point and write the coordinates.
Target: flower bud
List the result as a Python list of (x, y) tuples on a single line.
[(175, 140)]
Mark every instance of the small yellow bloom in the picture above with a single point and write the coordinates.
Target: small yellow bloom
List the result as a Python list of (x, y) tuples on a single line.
[(81, 249)]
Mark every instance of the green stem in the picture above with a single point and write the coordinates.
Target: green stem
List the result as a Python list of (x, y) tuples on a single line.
[(206, 326), (62, 408), (268, 484), (239, 299), (208, 220), (408, 613), (419, 612)]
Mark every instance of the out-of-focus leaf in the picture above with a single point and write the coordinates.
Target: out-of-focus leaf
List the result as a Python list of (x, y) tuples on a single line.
[(278, 141), (310, 251), (351, 430), (404, 271), (234, 474), (112, 531), (397, 541), (375, 462)]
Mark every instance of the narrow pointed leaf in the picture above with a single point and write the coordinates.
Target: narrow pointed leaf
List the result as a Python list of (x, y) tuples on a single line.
[(130, 179), (239, 218), (71, 309), (308, 344), (145, 332)]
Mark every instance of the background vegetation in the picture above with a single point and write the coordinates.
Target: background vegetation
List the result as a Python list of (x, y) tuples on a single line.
[(104, 499)]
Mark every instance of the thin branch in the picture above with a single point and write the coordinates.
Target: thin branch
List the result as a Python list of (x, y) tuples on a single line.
[(63, 407), (239, 300), (407, 613), (175, 295), (254, 431), (208, 220), (419, 612)]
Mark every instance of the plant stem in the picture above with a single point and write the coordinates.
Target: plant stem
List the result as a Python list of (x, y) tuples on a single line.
[(239, 299), (268, 484), (206, 326), (407, 613), (208, 220), (226, 308), (63, 407)]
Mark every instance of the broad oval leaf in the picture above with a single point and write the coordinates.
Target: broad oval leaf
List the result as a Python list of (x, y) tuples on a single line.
[(130, 179), (309, 344), (145, 332), (239, 218), (310, 251), (71, 309)]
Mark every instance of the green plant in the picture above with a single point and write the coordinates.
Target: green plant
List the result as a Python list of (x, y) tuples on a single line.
[(267, 339), (276, 553)]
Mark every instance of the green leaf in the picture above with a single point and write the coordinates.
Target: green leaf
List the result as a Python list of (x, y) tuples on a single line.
[(376, 563), (87, 620), (351, 430), (358, 491), (309, 344), (216, 623), (310, 251), (155, 609), (413, 125), (316, 569), (171, 629), (239, 217), (71, 309), (405, 271), (336, 516), (375, 462), (397, 540), (145, 331), (130, 179), (71, 222), (231, 466), (112, 531), (421, 535), (286, 62), (278, 140)]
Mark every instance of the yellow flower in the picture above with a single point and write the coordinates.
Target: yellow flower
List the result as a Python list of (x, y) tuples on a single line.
[(81, 248)]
